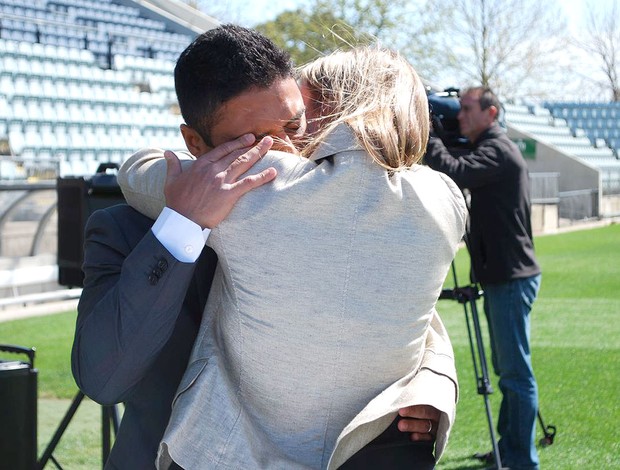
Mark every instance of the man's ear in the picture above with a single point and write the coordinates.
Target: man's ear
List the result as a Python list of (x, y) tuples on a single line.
[(493, 111), (195, 144)]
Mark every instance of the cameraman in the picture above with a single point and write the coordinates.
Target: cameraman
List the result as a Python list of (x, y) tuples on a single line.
[(503, 260)]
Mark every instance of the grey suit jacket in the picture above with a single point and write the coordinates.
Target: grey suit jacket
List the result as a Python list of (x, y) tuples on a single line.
[(320, 310), (137, 320)]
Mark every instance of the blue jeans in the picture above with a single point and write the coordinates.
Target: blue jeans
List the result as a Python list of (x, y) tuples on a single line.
[(507, 307)]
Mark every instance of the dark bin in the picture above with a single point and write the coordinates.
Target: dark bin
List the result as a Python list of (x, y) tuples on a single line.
[(78, 197), (18, 411)]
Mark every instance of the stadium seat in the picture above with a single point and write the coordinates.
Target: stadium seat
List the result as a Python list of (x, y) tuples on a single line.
[(55, 98), (16, 142), (19, 110)]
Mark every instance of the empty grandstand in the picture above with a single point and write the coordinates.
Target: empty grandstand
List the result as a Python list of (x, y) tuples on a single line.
[(83, 82), (599, 122), (586, 164)]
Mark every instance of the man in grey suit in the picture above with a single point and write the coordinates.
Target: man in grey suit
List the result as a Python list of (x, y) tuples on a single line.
[(137, 319), (142, 304), (144, 295)]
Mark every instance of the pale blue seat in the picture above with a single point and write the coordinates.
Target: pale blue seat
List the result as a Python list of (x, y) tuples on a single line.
[(19, 110), (17, 141)]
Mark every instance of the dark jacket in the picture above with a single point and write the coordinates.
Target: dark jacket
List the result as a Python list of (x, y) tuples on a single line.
[(500, 233), (138, 317)]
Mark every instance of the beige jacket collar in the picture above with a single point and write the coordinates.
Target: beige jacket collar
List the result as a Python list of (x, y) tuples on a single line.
[(341, 139)]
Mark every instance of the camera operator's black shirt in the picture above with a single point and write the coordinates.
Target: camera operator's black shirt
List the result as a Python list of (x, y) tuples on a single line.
[(500, 232)]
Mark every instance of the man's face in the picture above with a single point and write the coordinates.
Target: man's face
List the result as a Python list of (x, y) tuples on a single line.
[(277, 111), (473, 121)]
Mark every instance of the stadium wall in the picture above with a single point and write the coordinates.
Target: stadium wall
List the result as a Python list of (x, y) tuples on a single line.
[(575, 174), (610, 206)]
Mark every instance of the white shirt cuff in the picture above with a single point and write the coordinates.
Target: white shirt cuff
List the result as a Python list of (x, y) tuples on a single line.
[(183, 238)]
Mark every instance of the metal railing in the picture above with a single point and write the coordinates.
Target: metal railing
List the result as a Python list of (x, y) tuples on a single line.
[(579, 205), (544, 188), (573, 205), (28, 238), (27, 213)]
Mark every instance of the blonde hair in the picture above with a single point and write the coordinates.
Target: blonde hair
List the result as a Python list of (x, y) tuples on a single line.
[(379, 95)]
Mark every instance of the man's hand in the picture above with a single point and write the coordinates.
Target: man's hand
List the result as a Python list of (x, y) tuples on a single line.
[(207, 191), (421, 421)]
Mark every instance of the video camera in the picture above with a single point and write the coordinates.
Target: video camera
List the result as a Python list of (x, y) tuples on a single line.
[(444, 107)]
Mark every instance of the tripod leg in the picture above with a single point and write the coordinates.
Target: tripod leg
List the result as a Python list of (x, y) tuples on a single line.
[(484, 384), (116, 418), (60, 431), (106, 443), (467, 296), (549, 432), (109, 416)]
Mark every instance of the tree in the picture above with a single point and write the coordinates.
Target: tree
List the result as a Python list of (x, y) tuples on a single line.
[(323, 26), (602, 42), (307, 35), (509, 45)]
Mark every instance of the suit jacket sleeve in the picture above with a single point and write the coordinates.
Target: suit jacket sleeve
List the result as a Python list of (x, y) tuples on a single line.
[(133, 292), (142, 177)]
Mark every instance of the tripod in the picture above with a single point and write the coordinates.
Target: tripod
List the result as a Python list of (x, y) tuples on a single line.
[(467, 296), (109, 416)]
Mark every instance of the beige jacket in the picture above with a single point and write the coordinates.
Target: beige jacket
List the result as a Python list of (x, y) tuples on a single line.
[(321, 321)]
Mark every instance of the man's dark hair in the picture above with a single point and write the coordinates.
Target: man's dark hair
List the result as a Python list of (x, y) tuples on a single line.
[(487, 98), (220, 64)]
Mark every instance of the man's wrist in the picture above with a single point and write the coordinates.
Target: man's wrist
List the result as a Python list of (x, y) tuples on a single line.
[(183, 238)]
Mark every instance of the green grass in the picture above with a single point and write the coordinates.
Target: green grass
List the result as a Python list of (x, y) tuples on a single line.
[(52, 337), (576, 354), (80, 445), (575, 344)]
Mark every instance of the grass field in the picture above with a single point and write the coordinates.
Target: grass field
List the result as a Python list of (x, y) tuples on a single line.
[(575, 344)]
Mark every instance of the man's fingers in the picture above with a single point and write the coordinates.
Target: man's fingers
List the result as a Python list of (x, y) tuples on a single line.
[(420, 412), (242, 163), (238, 161), (421, 421), (254, 181), (420, 426), (225, 149), (420, 429), (235, 162)]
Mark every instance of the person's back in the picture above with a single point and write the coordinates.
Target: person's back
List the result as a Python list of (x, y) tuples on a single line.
[(363, 256)]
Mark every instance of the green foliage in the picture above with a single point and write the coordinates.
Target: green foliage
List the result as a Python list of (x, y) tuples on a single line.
[(308, 35), (323, 26)]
